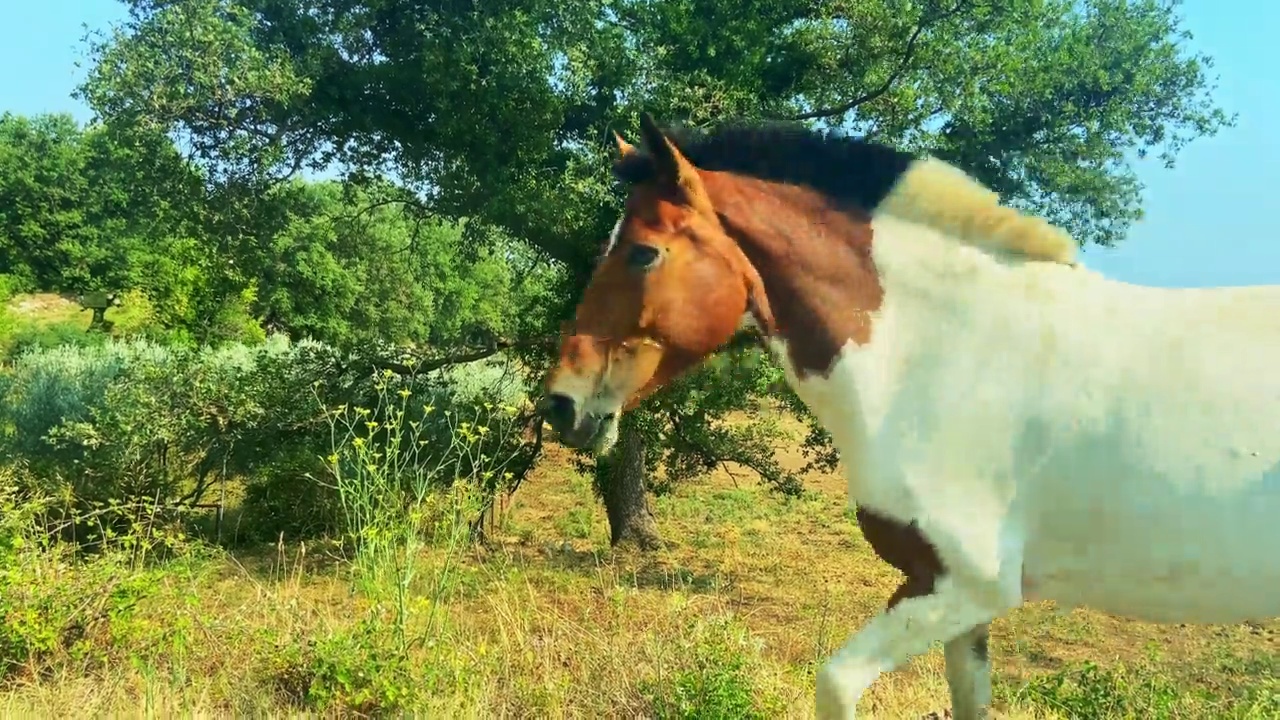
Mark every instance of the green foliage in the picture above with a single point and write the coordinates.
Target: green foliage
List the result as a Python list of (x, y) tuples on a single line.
[(115, 207), (1019, 90), (713, 679), (31, 322), (24, 336), (58, 606), (51, 387), (372, 667), (9, 285), (1121, 692), (83, 206), (41, 191), (129, 424), (699, 440), (408, 461), (359, 671), (118, 423), (497, 115), (412, 480), (220, 61), (283, 497), (354, 265), (406, 470)]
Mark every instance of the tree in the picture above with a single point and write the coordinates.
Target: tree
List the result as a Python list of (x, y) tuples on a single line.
[(618, 481), (84, 205), (499, 113), (42, 186)]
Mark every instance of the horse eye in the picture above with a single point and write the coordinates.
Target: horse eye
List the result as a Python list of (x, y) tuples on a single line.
[(642, 257)]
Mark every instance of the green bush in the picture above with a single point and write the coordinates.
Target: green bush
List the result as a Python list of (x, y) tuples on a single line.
[(52, 387), (359, 671), (122, 424), (131, 424), (58, 606), (284, 497), (498, 380), (22, 337)]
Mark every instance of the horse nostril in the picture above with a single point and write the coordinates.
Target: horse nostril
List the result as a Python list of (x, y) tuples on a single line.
[(559, 411)]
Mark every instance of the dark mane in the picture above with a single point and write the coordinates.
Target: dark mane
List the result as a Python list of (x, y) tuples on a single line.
[(871, 177), (847, 169)]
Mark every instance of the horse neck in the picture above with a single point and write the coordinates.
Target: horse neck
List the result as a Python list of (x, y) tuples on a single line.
[(815, 260), (829, 270)]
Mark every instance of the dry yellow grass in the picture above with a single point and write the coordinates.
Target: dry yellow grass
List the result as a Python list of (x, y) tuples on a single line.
[(751, 592), (46, 308)]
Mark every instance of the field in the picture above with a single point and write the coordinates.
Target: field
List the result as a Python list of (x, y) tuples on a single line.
[(728, 620)]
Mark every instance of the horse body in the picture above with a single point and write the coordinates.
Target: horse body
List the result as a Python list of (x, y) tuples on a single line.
[(1103, 444), (1051, 434), (1013, 426)]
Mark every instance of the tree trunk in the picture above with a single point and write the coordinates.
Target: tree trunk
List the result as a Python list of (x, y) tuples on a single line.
[(620, 482)]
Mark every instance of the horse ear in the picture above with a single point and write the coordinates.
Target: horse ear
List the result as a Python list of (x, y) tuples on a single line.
[(673, 168), (625, 148)]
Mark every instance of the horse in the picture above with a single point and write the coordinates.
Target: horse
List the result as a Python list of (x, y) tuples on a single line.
[(1013, 426)]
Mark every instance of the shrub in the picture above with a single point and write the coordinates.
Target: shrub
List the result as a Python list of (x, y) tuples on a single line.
[(131, 424), (57, 606), (713, 678), (1089, 690), (361, 672), (47, 389), (22, 336), (497, 379)]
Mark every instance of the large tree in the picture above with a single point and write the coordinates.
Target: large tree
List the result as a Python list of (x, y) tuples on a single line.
[(499, 112)]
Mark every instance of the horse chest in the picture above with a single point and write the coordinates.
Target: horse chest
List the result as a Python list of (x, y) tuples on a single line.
[(847, 404)]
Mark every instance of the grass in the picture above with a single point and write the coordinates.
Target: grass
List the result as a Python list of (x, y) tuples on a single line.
[(49, 320), (729, 620)]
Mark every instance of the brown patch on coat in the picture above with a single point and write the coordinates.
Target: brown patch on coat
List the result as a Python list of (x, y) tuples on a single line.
[(815, 261), (904, 547)]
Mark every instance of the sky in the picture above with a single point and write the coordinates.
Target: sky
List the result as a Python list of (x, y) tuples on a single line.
[(1207, 220)]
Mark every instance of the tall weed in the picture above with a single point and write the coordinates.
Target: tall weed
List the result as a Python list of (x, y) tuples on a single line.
[(410, 473)]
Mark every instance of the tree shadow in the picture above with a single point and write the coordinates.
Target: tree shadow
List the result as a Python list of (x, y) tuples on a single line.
[(640, 571), (289, 560)]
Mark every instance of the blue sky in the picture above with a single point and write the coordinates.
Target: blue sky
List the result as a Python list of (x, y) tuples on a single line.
[(1207, 219)]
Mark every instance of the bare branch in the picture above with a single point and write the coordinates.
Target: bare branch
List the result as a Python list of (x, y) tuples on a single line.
[(437, 363)]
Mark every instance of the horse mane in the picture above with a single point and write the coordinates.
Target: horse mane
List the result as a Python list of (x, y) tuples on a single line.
[(871, 176)]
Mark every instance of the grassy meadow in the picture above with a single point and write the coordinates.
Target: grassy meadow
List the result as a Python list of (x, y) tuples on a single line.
[(542, 619), (729, 620)]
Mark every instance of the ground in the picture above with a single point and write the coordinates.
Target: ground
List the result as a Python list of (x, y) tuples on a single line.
[(48, 319), (47, 309), (728, 620)]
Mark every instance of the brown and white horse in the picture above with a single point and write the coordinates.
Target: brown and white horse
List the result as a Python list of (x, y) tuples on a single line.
[(1013, 426)]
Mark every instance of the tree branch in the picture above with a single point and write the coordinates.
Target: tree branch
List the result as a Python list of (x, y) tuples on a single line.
[(927, 21), (459, 358)]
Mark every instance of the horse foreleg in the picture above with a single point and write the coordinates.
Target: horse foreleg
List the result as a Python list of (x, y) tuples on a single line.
[(968, 664), (951, 614), (969, 674)]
